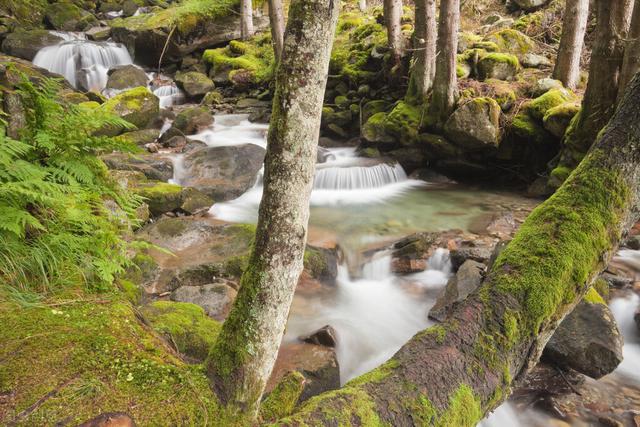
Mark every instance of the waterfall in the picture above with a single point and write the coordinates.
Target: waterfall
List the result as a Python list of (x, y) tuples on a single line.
[(169, 95), (83, 63), (358, 177), (623, 310)]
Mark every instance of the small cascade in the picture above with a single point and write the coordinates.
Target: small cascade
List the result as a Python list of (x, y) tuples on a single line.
[(169, 95), (83, 63), (358, 177), (623, 310)]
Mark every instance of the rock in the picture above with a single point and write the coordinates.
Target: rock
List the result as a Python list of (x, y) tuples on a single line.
[(475, 125), (411, 253), (194, 83), (194, 201), (512, 41), (528, 5), (321, 263), (98, 34), (216, 298), (153, 167), (325, 336), (67, 17), (161, 197), (467, 279), (125, 77), (223, 173), (501, 66), (193, 120), (110, 419), (129, 8), (587, 340), (398, 127), (633, 242), (137, 106), (464, 252), (317, 363), (373, 107), (25, 44), (539, 107), (615, 281), (212, 98), (543, 86), (556, 120), (142, 137), (531, 60)]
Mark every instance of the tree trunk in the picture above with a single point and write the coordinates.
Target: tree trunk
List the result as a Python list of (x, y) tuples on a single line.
[(241, 360), (567, 69), (454, 373), (424, 43), (392, 11), (362, 5), (246, 22), (599, 100), (445, 84), (276, 20), (631, 61)]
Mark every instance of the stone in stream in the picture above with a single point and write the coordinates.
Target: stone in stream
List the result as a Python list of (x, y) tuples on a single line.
[(25, 44), (193, 120), (137, 106), (215, 298), (467, 279), (155, 167), (325, 336), (125, 77), (411, 253), (474, 126), (98, 34), (223, 173), (194, 83)]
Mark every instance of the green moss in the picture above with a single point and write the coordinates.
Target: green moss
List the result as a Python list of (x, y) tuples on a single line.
[(137, 105), (284, 397), (401, 125), (160, 196), (558, 175), (504, 58), (525, 128), (464, 409), (602, 288), (376, 375), (512, 41), (593, 297), (351, 54), (29, 13), (540, 106), (132, 291), (349, 20)]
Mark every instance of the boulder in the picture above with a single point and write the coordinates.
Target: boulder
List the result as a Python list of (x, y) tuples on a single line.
[(468, 277), (481, 254), (161, 197), (512, 41), (98, 34), (325, 336), (587, 340), (531, 60), (501, 66), (193, 120), (538, 107), (137, 106), (223, 173), (64, 16), (152, 166), (142, 137), (125, 77), (475, 125), (194, 83), (411, 253), (529, 5), (556, 120), (215, 298), (212, 98), (543, 86), (25, 44)]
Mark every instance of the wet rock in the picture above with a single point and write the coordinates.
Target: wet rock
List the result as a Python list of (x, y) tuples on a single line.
[(215, 298), (68, 17), (633, 242), (212, 98), (161, 197), (110, 419), (468, 277), (153, 167), (475, 125), (499, 66), (98, 34), (125, 77), (587, 340), (194, 84), (193, 120), (325, 336), (223, 173), (25, 44), (129, 8), (142, 137), (616, 281), (137, 106), (321, 263), (411, 253), (466, 251)]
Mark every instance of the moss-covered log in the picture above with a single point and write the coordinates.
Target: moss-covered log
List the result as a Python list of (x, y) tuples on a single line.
[(454, 373)]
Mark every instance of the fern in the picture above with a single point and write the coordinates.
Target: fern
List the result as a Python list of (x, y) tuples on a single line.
[(54, 226)]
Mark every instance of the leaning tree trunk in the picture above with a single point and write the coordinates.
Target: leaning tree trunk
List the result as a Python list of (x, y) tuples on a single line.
[(392, 11), (424, 44), (276, 21), (574, 26), (455, 373), (445, 85), (631, 61), (246, 21), (599, 101), (362, 5), (241, 360)]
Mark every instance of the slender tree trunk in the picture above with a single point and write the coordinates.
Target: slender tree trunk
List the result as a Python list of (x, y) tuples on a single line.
[(567, 69), (240, 362), (246, 22), (631, 61), (599, 101), (362, 5), (392, 11), (276, 20), (424, 43), (445, 84), (455, 373)]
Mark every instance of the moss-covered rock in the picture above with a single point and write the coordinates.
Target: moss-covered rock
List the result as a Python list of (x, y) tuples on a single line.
[(193, 119), (501, 66), (538, 107), (194, 83), (67, 17), (27, 13), (400, 126), (502, 92), (529, 5), (139, 137), (244, 64), (215, 298), (512, 41), (160, 196), (212, 98), (125, 77), (137, 106), (556, 120), (25, 44), (372, 107), (475, 125)]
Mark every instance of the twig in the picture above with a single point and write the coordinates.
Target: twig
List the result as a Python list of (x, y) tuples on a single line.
[(164, 49)]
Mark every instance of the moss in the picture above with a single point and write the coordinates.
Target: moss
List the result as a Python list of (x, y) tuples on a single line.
[(558, 175), (137, 105), (593, 297), (351, 55), (171, 227), (132, 291), (504, 58), (160, 196), (29, 13), (283, 399), (525, 128), (539, 107), (512, 41), (400, 125), (602, 288), (349, 20), (212, 98), (89, 105)]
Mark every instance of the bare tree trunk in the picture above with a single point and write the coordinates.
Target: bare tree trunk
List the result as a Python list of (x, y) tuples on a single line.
[(276, 20), (567, 69), (246, 22), (631, 61), (240, 362), (599, 101), (445, 84), (362, 5), (392, 11), (455, 373), (424, 43)]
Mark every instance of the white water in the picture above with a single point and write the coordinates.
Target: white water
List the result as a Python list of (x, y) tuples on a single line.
[(623, 310), (169, 95), (233, 129), (84, 64)]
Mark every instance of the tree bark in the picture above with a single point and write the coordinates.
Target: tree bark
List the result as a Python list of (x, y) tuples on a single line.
[(631, 61), (599, 100), (246, 21), (445, 84), (454, 373), (241, 360), (362, 5), (276, 20), (567, 69), (392, 11), (424, 43)]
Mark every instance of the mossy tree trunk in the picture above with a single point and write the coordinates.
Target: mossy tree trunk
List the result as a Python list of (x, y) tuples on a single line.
[(631, 61), (246, 21), (424, 45), (362, 5), (241, 361), (574, 26), (599, 101), (276, 21), (454, 373), (392, 11), (445, 84)]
